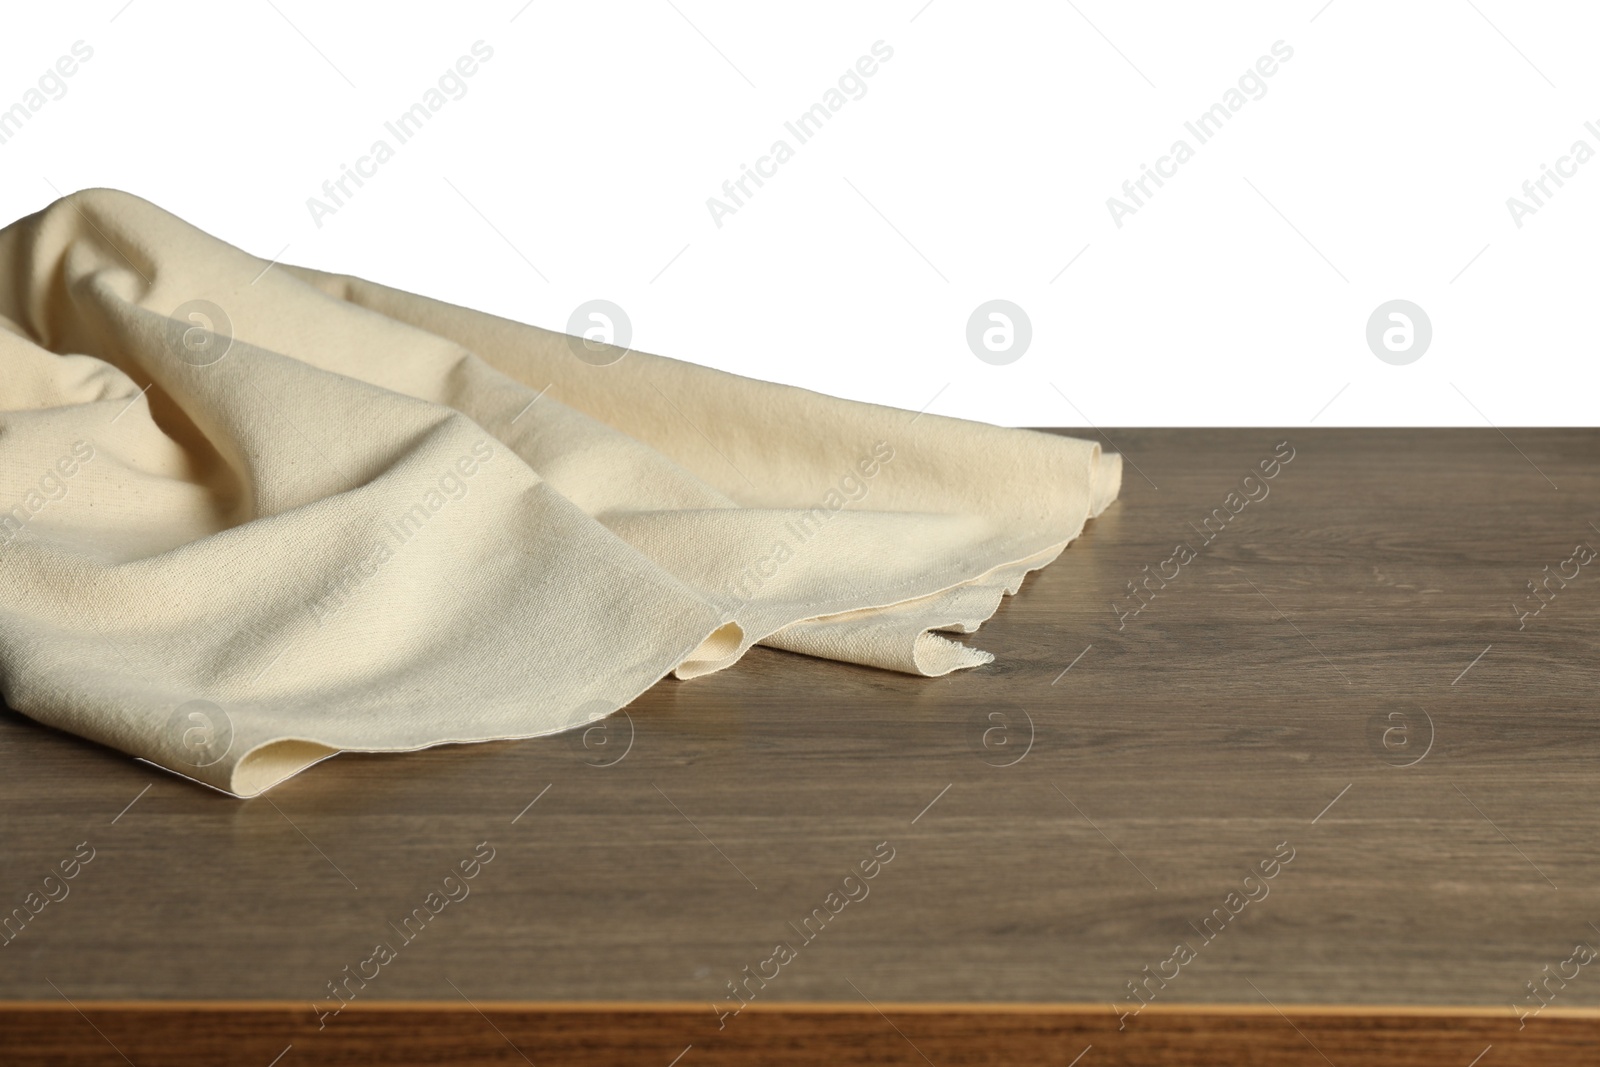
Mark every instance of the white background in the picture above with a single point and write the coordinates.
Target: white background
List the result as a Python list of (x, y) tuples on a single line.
[(977, 165)]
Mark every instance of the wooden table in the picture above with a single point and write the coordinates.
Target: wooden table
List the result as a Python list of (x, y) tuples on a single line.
[(1336, 685)]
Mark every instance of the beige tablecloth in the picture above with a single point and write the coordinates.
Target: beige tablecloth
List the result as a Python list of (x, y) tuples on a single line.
[(252, 517)]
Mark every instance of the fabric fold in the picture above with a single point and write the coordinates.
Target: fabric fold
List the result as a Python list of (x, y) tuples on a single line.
[(252, 515)]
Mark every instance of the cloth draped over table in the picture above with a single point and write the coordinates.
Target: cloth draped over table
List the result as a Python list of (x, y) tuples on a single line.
[(251, 517)]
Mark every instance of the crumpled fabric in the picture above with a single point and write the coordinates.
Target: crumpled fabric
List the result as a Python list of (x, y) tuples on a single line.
[(252, 515)]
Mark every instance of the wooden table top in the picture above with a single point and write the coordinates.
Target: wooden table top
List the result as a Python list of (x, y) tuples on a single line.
[(1336, 754)]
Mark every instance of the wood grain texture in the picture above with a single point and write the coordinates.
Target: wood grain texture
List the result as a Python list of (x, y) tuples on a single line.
[(426, 1035), (1055, 831)]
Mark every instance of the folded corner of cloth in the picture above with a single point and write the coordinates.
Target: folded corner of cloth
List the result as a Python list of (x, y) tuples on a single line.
[(253, 515)]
